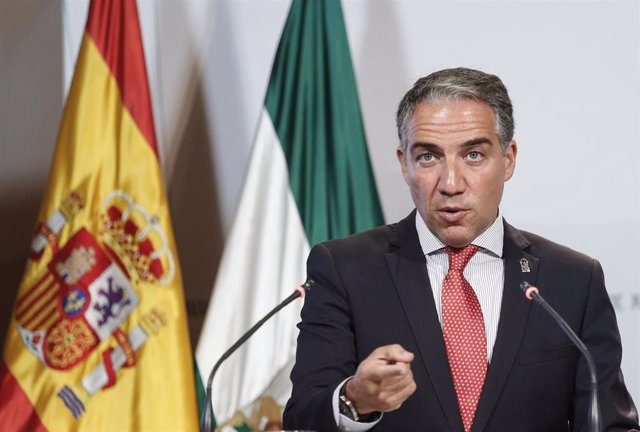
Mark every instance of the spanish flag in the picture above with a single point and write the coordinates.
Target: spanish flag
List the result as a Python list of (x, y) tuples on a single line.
[(98, 338)]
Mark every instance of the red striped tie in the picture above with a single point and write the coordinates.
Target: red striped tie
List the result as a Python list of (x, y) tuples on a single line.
[(464, 335)]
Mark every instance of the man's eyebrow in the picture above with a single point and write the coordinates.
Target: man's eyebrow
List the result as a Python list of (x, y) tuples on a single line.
[(424, 146), (476, 141)]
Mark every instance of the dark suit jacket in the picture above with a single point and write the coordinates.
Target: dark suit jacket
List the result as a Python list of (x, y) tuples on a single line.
[(372, 289)]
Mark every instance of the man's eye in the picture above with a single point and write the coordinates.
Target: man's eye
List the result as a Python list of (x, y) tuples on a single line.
[(474, 155), (426, 157)]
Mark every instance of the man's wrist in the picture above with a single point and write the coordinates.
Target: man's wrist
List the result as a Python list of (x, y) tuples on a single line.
[(349, 409)]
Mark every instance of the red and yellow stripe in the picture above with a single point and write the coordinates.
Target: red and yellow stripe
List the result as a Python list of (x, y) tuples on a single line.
[(36, 308)]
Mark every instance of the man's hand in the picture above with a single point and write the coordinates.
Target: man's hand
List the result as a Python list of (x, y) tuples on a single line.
[(383, 380)]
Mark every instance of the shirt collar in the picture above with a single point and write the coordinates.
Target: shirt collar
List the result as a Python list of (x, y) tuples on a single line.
[(492, 240)]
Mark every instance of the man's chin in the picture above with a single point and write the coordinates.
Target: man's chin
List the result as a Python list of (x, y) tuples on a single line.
[(456, 236)]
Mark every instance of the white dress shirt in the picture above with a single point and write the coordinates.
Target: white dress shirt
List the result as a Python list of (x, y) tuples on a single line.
[(485, 274)]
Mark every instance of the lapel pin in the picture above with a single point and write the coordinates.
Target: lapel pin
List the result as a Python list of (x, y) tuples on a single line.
[(524, 265)]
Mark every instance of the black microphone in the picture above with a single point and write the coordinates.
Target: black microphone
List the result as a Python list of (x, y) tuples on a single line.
[(206, 419), (533, 293)]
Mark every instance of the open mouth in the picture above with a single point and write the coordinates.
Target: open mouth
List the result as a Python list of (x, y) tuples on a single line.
[(452, 214)]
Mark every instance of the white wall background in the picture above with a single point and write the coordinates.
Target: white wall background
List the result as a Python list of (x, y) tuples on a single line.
[(572, 69)]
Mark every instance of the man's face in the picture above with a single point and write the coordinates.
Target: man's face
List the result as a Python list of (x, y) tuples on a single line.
[(455, 168)]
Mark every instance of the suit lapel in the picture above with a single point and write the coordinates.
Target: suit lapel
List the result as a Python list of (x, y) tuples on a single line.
[(406, 263), (514, 314)]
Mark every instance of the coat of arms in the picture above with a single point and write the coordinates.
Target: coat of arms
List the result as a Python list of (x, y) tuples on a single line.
[(86, 292)]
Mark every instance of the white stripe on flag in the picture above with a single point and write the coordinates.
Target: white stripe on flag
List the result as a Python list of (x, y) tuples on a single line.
[(263, 260)]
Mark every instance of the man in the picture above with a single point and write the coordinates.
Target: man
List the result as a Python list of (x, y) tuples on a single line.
[(421, 326)]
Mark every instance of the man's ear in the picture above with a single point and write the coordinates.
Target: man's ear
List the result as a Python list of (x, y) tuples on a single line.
[(403, 161), (510, 160)]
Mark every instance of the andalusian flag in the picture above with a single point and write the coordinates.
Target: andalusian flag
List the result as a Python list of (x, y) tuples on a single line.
[(98, 339), (309, 180)]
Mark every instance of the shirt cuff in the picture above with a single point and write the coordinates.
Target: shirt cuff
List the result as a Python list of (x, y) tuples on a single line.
[(345, 423)]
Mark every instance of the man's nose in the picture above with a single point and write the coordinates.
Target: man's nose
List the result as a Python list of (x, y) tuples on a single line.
[(451, 180)]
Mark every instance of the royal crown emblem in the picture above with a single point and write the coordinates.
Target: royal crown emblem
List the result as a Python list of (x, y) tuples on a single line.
[(134, 235)]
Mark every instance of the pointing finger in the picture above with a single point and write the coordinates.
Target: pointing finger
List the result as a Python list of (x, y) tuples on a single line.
[(394, 353)]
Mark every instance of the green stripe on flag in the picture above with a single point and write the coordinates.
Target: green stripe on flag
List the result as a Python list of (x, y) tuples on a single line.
[(201, 391), (313, 103)]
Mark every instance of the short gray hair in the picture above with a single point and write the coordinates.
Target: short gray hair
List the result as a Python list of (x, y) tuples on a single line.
[(459, 84)]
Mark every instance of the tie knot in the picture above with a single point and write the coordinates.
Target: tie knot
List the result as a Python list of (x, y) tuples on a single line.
[(459, 257)]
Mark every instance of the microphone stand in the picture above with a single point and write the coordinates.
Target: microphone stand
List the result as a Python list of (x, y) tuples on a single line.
[(206, 420), (532, 293)]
